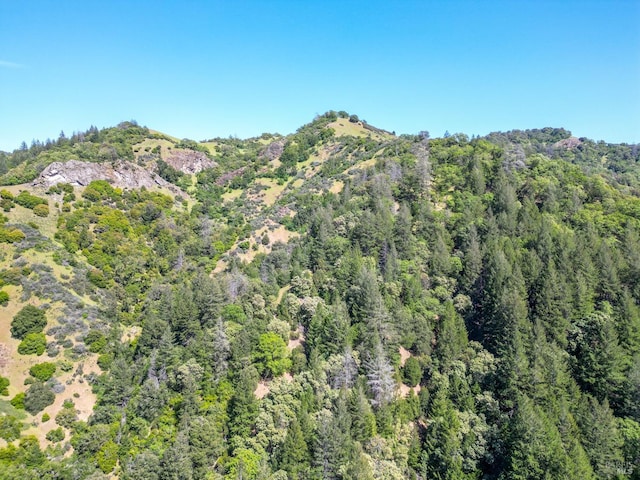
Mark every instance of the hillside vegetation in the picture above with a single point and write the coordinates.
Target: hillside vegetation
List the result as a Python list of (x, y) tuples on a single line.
[(338, 303)]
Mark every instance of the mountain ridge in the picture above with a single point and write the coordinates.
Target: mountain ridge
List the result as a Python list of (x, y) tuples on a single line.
[(340, 302)]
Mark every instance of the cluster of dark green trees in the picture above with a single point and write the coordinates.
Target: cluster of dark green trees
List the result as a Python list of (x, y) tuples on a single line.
[(508, 275)]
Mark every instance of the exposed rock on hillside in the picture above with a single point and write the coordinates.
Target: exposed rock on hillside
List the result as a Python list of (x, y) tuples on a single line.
[(568, 143), (273, 150), (189, 161), (120, 174)]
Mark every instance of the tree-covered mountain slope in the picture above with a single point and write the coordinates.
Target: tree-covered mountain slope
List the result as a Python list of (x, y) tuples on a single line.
[(338, 303)]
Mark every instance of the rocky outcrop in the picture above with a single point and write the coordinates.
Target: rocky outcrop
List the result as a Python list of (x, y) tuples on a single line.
[(273, 150), (568, 143), (121, 174), (189, 161)]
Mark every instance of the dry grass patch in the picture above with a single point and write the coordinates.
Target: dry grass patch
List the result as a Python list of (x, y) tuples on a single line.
[(404, 390), (275, 233), (211, 146), (13, 365), (281, 293), (77, 389), (171, 137), (343, 127), (337, 186), (273, 191), (230, 196), (145, 147), (404, 355)]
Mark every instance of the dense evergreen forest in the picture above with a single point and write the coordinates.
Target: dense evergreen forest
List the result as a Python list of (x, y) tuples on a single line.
[(339, 303)]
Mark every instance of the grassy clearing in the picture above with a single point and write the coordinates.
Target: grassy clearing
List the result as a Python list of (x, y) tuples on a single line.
[(16, 368), (273, 191), (46, 225), (77, 390), (171, 137), (275, 233), (337, 186), (344, 127), (281, 293), (7, 409), (211, 146), (149, 144), (231, 195)]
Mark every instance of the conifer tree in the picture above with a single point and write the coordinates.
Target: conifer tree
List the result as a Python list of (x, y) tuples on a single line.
[(294, 455)]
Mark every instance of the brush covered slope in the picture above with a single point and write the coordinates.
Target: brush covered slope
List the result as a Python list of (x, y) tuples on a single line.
[(337, 303)]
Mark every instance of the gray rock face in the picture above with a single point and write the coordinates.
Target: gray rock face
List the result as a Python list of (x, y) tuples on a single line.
[(189, 162), (273, 150), (121, 174)]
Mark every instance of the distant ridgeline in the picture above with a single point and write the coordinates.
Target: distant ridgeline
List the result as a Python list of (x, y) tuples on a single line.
[(339, 303)]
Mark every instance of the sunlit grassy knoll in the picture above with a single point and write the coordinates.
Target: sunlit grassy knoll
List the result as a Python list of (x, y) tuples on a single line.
[(171, 137), (344, 127), (211, 146), (149, 144)]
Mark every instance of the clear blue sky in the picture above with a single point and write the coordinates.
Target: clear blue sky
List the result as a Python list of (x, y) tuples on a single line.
[(201, 69)]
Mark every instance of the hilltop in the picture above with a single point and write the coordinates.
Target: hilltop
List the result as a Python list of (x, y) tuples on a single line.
[(340, 302)]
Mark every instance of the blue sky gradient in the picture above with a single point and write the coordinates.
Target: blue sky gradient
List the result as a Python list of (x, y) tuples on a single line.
[(202, 69)]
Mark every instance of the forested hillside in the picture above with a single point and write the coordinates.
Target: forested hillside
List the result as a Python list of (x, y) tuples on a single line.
[(339, 303)]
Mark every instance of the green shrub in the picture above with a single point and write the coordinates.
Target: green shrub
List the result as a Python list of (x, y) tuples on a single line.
[(46, 417), (9, 428), (6, 194), (4, 298), (67, 417), (11, 276), (37, 397), (27, 200), (412, 372), (66, 366), (6, 205), (105, 360), (107, 457), (96, 341), (29, 319), (56, 435), (43, 371), (233, 313), (4, 384), (33, 344), (41, 210), (18, 401), (272, 356), (11, 235), (96, 277)]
